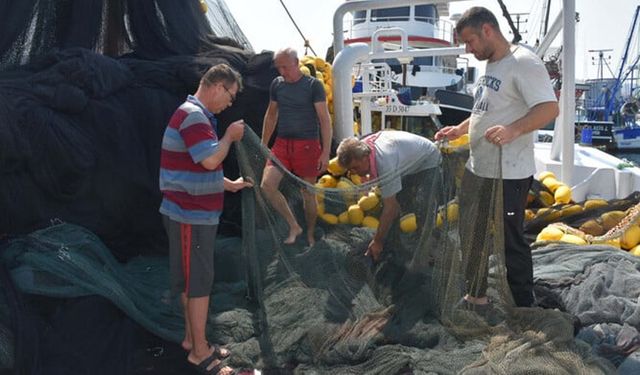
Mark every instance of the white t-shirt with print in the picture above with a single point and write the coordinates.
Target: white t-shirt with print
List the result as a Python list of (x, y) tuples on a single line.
[(506, 92)]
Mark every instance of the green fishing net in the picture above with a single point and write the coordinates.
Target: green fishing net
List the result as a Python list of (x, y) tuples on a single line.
[(327, 308)]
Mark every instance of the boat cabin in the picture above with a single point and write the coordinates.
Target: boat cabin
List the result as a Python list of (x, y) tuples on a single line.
[(424, 30)]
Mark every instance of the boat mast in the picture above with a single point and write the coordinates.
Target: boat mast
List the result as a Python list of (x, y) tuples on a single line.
[(567, 94), (546, 17), (516, 33), (622, 76)]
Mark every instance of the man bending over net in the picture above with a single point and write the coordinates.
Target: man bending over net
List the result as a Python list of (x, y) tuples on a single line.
[(392, 156)]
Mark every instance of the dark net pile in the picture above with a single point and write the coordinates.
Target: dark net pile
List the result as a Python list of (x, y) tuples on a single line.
[(86, 90), (80, 132)]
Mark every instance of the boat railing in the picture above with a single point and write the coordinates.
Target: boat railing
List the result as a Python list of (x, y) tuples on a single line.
[(427, 27), (439, 69), (443, 30), (376, 79)]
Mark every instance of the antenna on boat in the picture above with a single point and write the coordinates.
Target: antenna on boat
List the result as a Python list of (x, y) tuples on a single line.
[(306, 41), (518, 20), (602, 62)]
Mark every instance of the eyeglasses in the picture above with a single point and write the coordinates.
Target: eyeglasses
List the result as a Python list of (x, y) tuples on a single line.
[(231, 96)]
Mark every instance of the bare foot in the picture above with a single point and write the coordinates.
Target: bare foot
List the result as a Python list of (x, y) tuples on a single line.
[(186, 345), (294, 232), (311, 239), (226, 370), (477, 300)]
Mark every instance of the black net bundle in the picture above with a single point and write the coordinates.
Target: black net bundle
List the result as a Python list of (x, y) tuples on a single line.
[(86, 90), (145, 29), (81, 132)]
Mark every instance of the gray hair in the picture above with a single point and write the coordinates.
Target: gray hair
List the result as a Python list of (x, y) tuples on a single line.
[(351, 149), (288, 51), (221, 73)]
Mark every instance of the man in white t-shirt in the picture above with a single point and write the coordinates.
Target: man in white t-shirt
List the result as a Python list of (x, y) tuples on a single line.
[(392, 156), (512, 99)]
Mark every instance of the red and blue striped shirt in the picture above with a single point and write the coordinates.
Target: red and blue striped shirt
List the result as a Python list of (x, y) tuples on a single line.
[(191, 193)]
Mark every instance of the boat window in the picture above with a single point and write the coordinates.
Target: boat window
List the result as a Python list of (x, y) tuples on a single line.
[(394, 64), (390, 14), (426, 13), (423, 60), (359, 16)]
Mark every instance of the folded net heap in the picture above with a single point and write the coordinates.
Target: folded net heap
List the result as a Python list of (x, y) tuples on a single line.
[(80, 136), (327, 308)]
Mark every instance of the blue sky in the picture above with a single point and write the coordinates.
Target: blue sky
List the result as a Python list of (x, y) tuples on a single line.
[(601, 26)]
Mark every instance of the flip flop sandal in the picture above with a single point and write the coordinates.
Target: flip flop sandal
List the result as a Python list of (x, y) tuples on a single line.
[(217, 351), (201, 367), (215, 369)]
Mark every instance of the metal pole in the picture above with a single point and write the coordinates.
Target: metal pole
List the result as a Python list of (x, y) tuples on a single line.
[(567, 111)]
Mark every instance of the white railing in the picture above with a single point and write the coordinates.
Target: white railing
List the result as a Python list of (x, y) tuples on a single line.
[(438, 69), (428, 27), (376, 79)]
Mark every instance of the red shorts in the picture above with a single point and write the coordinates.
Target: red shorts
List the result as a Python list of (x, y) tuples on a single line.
[(300, 156)]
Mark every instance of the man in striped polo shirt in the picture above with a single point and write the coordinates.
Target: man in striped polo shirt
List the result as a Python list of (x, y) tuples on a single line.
[(193, 184)]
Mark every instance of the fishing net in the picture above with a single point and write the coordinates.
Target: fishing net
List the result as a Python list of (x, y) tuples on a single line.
[(144, 29), (327, 308), (80, 135), (86, 90), (80, 139)]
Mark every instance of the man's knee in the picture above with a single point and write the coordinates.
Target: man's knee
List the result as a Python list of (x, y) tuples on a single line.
[(270, 180), (266, 186)]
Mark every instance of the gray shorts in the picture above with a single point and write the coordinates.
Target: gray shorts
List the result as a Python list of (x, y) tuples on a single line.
[(191, 257)]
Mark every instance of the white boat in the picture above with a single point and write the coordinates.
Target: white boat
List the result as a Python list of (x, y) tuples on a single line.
[(607, 101), (592, 173), (627, 137), (440, 79)]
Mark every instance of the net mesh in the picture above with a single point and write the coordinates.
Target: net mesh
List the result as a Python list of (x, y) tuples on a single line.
[(145, 29), (329, 304), (80, 135), (327, 308)]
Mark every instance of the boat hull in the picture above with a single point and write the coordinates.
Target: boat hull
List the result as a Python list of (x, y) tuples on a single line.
[(455, 106), (627, 139)]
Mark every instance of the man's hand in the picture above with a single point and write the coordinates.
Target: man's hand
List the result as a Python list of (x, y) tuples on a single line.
[(501, 135), (238, 184), (323, 161), (449, 132), (235, 131), (374, 250)]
